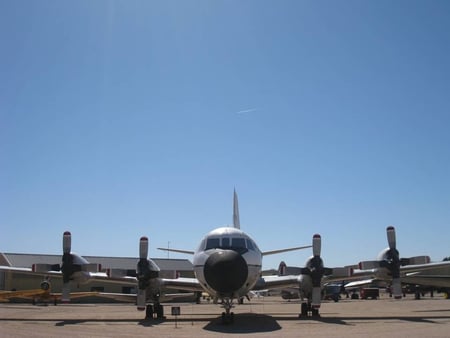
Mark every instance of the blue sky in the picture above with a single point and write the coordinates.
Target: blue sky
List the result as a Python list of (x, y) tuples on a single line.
[(127, 118)]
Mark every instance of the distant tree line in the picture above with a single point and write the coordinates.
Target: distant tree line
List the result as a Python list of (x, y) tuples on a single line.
[(446, 259)]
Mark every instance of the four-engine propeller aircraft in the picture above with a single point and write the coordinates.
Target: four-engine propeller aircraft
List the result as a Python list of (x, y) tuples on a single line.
[(389, 267), (227, 265)]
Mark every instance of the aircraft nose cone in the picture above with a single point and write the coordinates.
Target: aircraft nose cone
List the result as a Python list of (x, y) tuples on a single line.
[(226, 271)]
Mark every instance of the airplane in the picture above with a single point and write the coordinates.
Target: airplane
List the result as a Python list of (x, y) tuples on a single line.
[(227, 265), (289, 293), (43, 294), (389, 267)]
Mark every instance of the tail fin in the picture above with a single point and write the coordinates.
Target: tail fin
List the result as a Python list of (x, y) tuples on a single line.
[(236, 221)]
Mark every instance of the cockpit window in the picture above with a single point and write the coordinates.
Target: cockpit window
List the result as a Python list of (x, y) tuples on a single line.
[(225, 242), (212, 243), (250, 245), (202, 245), (228, 243), (238, 243)]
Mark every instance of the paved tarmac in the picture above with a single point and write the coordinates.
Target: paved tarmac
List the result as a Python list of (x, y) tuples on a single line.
[(262, 317)]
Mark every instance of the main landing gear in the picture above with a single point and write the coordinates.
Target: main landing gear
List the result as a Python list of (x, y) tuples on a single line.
[(227, 316), (155, 311), (308, 311)]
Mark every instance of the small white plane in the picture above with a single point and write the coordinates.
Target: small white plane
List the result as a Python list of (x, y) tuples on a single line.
[(389, 267), (227, 265)]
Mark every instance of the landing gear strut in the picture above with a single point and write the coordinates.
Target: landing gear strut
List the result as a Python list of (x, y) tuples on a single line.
[(307, 310), (227, 316), (155, 311)]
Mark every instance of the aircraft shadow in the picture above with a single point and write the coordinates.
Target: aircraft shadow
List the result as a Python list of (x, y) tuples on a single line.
[(244, 323)]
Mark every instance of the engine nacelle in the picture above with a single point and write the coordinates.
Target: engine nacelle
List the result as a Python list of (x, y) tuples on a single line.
[(45, 285), (39, 267), (119, 273), (314, 263), (416, 260), (91, 267), (368, 265), (145, 271), (387, 254)]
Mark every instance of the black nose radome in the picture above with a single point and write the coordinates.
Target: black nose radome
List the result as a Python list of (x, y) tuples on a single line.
[(226, 271)]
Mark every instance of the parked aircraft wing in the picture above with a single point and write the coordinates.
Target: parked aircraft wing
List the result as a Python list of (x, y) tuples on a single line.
[(273, 252), (21, 294), (88, 276), (131, 297), (276, 282), (440, 281), (359, 283), (187, 284), (36, 293), (423, 267)]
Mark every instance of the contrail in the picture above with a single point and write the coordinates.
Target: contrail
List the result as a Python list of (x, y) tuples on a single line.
[(246, 111)]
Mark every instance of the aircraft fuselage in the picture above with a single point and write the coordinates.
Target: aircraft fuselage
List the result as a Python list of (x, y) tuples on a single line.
[(227, 263)]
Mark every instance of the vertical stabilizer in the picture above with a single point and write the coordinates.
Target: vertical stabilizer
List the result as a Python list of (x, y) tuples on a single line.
[(236, 221)]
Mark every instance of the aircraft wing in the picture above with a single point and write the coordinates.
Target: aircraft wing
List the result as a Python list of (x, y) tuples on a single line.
[(132, 297), (187, 284), (39, 292), (30, 272), (295, 280), (405, 271), (76, 294), (88, 276), (360, 283), (21, 294), (428, 280), (423, 267), (276, 282)]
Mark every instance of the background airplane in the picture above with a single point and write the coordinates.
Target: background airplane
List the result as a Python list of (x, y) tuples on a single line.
[(389, 267), (43, 294)]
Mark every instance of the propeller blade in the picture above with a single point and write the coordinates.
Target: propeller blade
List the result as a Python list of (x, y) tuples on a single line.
[(65, 297), (67, 242), (143, 247), (317, 245), (316, 297), (396, 288), (282, 269), (141, 299), (390, 230)]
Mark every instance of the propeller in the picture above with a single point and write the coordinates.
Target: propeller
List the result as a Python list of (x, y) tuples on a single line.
[(67, 266), (390, 260), (393, 262), (147, 273), (141, 273), (316, 270)]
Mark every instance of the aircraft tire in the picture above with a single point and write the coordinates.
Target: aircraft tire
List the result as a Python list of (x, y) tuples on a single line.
[(149, 312), (304, 310)]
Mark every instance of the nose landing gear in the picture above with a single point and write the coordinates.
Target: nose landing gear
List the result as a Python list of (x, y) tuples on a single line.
[(227, 315)]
